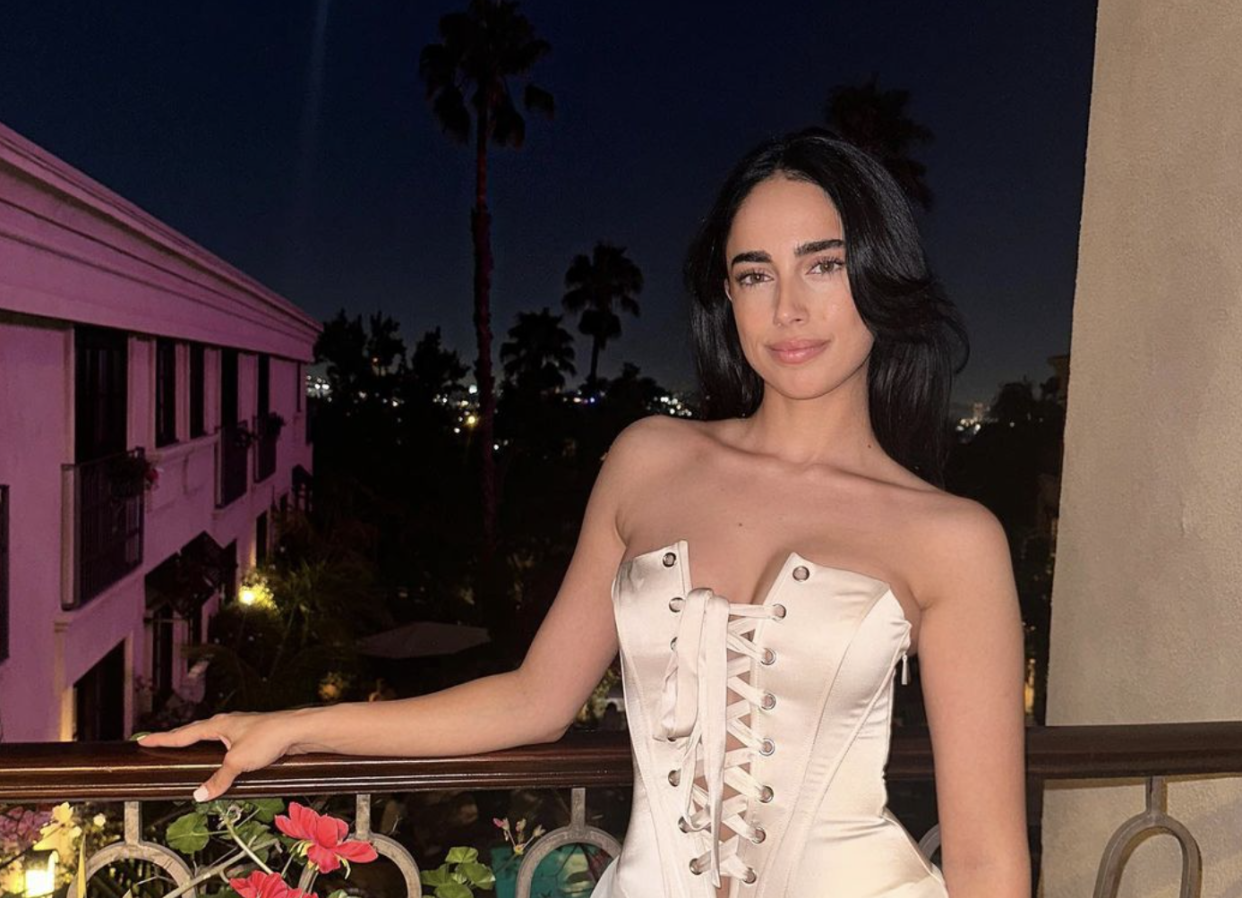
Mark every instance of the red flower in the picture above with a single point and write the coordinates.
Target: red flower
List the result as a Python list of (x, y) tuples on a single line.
[(265, 885), (325, 837)]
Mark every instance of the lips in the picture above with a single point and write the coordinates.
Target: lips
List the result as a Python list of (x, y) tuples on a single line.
[(794, 352)]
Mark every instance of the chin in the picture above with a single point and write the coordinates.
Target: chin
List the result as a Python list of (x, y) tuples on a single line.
[(801, 388)]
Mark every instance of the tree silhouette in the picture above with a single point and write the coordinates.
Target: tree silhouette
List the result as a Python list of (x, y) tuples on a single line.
[(875, 120), (467, 79), (364, 363), (434, 370), (596, 284), (343, 345), (539, 352), (385, 348)]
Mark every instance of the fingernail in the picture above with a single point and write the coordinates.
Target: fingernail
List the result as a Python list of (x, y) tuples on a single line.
[(200, 794)]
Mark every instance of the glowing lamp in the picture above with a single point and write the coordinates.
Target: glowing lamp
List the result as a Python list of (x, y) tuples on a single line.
[(41, 873)]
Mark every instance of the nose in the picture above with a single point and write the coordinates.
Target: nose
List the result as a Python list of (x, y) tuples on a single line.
[(789, 303)]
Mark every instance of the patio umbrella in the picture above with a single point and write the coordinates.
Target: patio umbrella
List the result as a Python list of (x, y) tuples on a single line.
[(422, 639)]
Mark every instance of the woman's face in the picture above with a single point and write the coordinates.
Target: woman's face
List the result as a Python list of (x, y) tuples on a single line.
[(789, 290)]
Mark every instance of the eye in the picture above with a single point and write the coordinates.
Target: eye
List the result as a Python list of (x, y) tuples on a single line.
[(751, 278), (827, 266)]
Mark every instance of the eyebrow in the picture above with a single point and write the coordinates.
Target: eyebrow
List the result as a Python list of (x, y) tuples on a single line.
[(802, 249)]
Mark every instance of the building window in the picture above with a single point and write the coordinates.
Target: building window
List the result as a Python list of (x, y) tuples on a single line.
[(101, 393), (198, 422), (165, 392), (260, 539), (99, 700), (163, 640), (228, 388), (265, 385), (4, 572), (195, 634), (228, 586)]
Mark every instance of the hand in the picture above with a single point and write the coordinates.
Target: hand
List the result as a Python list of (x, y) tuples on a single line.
[(252, 741)]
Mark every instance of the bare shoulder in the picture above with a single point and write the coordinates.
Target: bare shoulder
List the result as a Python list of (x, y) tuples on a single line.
[(651, 443), (643, 456), (962, 548)]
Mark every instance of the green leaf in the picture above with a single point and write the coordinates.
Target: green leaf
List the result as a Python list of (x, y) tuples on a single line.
[(251, 831), (478, 874), (454, 890), (266, 809), (462, 855), (188, 833), (437, 877)]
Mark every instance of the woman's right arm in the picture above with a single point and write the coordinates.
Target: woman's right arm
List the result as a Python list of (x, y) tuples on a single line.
[(536, 702)]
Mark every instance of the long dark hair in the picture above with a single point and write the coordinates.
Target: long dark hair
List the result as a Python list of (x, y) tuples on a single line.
[(915, 326)]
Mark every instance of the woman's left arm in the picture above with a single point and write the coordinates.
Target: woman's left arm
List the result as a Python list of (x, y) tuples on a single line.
[(973, 670)]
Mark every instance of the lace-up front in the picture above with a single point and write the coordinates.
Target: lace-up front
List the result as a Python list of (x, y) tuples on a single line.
[(699, 676)]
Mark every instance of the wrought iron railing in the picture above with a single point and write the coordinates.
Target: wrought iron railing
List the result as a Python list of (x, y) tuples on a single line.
[(232, 457), (103, 523), (267, 435), (125, 772)]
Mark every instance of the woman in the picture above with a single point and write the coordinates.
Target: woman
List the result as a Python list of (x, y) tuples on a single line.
[(759, 682)]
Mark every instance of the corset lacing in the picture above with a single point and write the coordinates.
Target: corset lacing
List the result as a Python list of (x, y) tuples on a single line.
[(696, 682)]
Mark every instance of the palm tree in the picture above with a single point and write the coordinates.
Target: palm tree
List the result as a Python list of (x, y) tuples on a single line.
[(875, 120), (539, 352), (467, 78), (593, 284)]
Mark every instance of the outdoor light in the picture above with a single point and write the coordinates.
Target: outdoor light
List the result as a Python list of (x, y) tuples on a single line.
[(471, 420), (254, 591), (41, 873)]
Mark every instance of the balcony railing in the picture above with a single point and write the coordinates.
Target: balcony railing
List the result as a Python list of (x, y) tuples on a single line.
[(125, 772), (267, 434), (232, 457), (103, 523)]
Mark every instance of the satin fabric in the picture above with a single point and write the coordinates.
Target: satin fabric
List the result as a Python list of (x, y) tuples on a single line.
[(804, 681)]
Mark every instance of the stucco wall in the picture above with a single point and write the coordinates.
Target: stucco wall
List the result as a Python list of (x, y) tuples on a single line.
[(32, 357), (1147, 615)]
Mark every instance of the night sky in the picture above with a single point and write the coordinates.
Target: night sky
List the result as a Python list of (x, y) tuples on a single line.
[(315, 164)]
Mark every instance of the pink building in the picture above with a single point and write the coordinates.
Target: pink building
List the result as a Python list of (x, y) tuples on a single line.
[(127, 353)]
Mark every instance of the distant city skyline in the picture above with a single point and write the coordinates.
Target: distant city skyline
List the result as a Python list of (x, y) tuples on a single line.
[(298, 146)]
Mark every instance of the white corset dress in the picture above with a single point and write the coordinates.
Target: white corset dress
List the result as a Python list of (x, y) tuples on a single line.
[(803, 682)]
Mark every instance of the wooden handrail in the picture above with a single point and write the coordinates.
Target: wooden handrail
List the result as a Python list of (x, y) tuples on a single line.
[(59, 771)]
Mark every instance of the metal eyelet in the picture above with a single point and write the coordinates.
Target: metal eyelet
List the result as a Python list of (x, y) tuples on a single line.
[(670, 559), (683, 824), (675, 603), (769, 657), (781, 611), (766, 794), (694, 866), (674, 777), (769, 701), (767, 747), (673, 644), (760, 835), (801, 572), (750, 876)]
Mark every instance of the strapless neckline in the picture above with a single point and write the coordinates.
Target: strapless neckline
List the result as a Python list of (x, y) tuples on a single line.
[(683, 546), (803, 680)]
